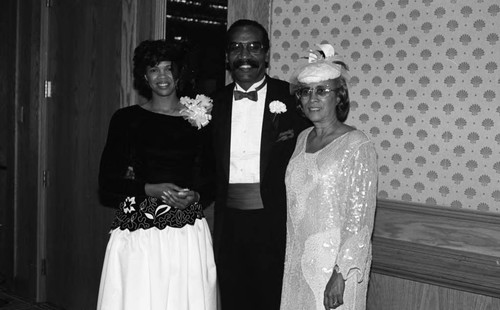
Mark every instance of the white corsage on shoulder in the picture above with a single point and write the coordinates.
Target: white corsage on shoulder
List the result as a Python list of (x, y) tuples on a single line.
[(197, 111), (277, 107)]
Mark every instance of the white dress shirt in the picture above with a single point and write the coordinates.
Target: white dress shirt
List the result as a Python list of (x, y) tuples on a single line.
[(246, 131)]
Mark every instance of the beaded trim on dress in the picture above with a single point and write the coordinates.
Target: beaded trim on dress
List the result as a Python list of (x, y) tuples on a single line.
[(151, 212)]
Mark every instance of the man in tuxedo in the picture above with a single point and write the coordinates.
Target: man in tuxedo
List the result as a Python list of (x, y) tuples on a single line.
[(255, 125)]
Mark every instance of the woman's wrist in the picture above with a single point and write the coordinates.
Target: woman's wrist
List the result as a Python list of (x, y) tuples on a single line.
[(196, 199), (336, 268), (147, 189)]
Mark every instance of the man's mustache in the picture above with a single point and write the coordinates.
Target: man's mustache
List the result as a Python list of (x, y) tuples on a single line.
[(250, 62)]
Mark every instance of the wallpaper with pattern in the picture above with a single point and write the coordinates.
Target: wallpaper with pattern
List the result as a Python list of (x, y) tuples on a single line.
[(424, 85)]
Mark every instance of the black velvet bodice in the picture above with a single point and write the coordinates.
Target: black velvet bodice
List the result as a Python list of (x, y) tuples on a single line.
[(146, 147)]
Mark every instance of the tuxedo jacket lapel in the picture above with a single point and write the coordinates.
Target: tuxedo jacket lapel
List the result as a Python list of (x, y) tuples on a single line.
[(269, 131), (225, 131)]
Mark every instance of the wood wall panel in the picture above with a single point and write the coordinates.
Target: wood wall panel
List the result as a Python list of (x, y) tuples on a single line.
[(256, 10), (433, 247), (25, 146), (453, 269), (393, 293), (8, 12), (454, 229)]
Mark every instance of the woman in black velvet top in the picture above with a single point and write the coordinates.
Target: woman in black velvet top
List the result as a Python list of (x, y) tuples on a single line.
[(159, 255)]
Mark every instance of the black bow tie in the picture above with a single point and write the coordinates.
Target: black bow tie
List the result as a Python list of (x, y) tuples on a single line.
[(252, 95)]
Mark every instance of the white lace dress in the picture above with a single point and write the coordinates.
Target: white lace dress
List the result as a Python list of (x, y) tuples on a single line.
[(331, 206)]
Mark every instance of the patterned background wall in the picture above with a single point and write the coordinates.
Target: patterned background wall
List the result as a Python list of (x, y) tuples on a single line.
[(424, 86)]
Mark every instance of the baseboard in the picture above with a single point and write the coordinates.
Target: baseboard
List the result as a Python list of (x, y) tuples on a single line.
[(453, 248)]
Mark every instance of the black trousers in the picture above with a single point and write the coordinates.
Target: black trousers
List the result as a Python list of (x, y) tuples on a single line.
[(250, 263)]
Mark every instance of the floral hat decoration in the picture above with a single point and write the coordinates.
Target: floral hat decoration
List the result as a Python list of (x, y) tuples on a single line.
[(321, 65)]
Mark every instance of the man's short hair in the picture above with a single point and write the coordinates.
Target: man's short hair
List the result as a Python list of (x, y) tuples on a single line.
[(248, 23)]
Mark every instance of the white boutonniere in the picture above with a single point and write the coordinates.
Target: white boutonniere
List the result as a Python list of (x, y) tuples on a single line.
[(197, 110), (277, 107)]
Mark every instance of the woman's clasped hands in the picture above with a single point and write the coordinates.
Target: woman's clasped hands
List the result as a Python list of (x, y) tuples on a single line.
[(172, 194)]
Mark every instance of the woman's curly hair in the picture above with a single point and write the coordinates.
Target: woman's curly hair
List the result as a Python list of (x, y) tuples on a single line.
[(344, 105), (341, 91), (149, 53)]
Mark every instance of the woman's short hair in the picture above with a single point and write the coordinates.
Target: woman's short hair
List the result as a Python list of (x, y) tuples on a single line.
[(149, 53)]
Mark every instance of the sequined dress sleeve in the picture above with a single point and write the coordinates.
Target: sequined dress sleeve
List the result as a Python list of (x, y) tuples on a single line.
[(331, 205)]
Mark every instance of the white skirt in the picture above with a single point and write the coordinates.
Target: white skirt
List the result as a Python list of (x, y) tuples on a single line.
[(153, 269)]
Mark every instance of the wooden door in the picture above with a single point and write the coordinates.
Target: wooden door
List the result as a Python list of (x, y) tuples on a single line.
[(83, 46)]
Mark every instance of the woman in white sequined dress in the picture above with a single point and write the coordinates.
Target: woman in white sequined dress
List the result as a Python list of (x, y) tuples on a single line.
[(331, 190)]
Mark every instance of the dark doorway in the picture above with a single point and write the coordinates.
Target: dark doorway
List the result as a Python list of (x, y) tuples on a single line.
[(201, 26)]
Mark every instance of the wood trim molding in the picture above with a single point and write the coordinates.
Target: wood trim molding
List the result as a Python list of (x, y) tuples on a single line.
[(151, 19), (129, 41), (447, 247), (160, 19)]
